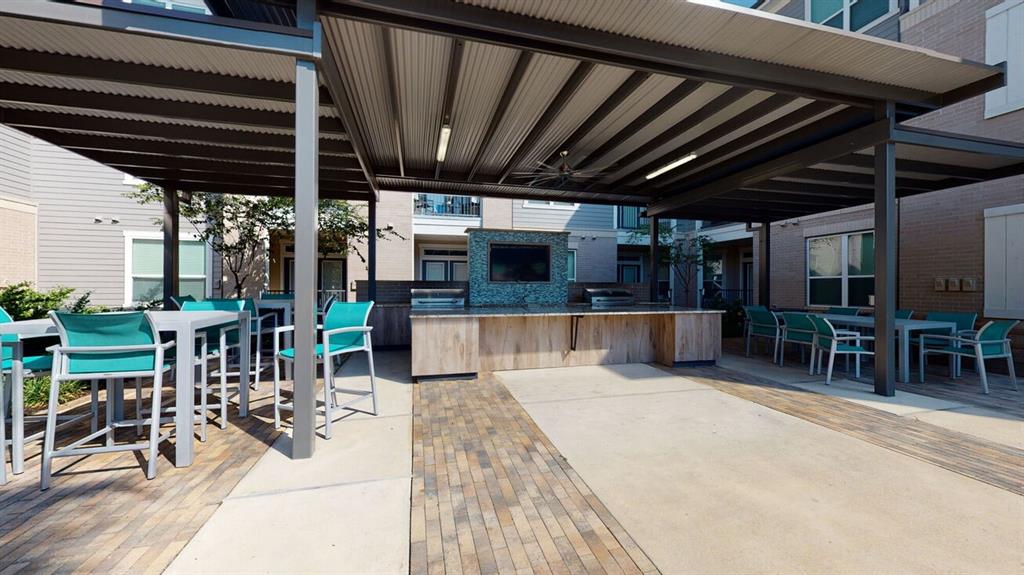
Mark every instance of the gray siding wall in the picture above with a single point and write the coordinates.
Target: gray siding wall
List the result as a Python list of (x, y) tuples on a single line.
[(795, 9), (583, 217), (888, 29), (75, 250), (15, 164)]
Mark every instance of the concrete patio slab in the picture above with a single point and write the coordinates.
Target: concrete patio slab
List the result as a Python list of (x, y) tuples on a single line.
[(979, 422), (707, 482)]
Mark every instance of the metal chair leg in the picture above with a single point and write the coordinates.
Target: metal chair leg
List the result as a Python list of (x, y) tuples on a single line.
[(3, 430), (277, 392), (328, 394), (981, 373), (111, 392), (373, 378), (154, 426), (831, 363), (1010, 369), (138, 406), (46, 466)]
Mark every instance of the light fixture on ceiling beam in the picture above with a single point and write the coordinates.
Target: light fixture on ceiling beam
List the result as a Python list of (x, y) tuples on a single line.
[(671, 166), (442, 142)]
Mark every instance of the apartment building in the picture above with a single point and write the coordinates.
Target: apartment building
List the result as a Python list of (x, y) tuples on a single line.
[(953, 245)]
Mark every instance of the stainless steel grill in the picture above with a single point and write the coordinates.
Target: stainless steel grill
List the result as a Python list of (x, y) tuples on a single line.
[(437, 298), (600, 297)]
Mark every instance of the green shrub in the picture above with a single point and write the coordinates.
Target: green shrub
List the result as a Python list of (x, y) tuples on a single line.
[(21, 301), (37, 391)]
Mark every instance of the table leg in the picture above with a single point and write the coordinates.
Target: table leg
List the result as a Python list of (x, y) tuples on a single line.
[(287, 341), (185, 397), (904, 355), (245, 361), (17, 411)]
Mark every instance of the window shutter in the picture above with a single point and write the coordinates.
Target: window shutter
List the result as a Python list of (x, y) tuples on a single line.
[(1004, 42)]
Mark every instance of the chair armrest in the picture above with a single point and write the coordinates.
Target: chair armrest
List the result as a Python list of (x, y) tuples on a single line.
[(112, 348), (854, 337), (363, 329), (847, 332), (278, 331), (266, 316), (968, 333)]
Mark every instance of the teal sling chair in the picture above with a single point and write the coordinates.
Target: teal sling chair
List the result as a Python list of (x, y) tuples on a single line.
[(345, 330), (990, 342), (106, 346)]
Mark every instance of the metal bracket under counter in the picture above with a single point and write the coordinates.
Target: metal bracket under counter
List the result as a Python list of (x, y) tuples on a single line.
[(574, 321)]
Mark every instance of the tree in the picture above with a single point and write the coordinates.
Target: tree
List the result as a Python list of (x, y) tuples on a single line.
[(683, 256), (236, 227)]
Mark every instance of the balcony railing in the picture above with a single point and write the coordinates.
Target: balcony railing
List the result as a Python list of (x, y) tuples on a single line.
[(628, 218), (442, 205)]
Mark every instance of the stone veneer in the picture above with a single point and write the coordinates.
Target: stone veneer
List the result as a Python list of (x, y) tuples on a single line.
[(482, 291)]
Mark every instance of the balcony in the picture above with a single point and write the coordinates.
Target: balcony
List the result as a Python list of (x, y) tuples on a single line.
[(628, 218), (446, 206)]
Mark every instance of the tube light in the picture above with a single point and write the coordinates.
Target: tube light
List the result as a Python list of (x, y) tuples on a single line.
[(671, 166), (442, 142)]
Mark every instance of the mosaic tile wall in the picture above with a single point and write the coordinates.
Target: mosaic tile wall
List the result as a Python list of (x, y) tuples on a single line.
[(485, 292)]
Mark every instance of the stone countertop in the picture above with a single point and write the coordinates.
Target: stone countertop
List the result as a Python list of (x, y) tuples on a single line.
[(557, 310)]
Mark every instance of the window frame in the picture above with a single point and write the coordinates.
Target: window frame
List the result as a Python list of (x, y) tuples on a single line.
[(571, 273), (894, 8), (844, 266), (129, 275)]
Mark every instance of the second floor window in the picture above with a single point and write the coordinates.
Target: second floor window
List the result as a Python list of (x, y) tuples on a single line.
[(853, 15)]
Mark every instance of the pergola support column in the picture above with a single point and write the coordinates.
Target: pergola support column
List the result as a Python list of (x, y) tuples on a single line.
[(764, 268), (885, 258), (371, 250), (171, 245), (653, 260), (306, 234)]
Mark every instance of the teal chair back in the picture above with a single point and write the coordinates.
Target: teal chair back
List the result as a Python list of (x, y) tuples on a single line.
[(7, 352), (106, 330), (995, 331), (347, 314), (824, 330), (904, 313), (763, 322), (843, 311), (278, 296), (963, 321), (213, 333), (799, 327)]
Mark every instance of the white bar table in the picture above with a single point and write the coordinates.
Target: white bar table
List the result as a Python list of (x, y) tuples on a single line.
[(904, 327), (184, 325)]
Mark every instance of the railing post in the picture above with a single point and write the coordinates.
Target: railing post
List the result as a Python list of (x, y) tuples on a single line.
[(885, 257)]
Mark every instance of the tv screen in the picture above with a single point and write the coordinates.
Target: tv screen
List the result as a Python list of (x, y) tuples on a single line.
[(520, 263)]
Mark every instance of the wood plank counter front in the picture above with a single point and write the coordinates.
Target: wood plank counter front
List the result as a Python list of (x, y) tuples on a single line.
[(468, 341)]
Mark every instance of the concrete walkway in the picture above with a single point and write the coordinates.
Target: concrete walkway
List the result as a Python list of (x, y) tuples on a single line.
[(988, 424), (344, 511), (706, 482)]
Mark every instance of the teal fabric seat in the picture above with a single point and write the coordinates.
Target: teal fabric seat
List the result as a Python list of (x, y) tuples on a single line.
[(828, 340), (797, 329), (762, 323), (345, 330), (992, 341)]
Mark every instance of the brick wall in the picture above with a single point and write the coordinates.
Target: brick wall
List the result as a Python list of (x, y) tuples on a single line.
[(18, 249)]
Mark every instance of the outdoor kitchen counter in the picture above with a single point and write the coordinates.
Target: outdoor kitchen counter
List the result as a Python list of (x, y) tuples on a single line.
[(466, 341)]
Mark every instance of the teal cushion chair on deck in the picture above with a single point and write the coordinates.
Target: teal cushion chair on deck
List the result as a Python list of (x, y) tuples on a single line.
[(964, 327), (106, 346), (345, 330), (215, 343), (827, 339), (843, 311), (798, 329), (763, 323), (904, 313), (992, 341)]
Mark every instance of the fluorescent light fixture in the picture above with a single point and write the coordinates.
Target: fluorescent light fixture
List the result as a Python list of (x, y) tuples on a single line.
[(667, 167), (442, 142)]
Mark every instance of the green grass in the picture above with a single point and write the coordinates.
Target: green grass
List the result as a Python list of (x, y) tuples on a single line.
[(37, 391)]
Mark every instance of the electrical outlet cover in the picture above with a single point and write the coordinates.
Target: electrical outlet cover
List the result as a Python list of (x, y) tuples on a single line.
[(940, 284), (953, 284)]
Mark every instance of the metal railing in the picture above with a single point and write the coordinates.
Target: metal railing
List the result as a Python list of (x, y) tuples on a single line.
[(716, 297), (442, 205), (321, 295), (628, 218)]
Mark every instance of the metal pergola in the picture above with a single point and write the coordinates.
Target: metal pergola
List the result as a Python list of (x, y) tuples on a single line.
[(343, 98)]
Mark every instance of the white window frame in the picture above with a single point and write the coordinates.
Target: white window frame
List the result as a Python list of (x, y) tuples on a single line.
[(129, 238), (549, 205), (1004, 41), (844, 266), (575, 262), (894, 8), (448, 259)]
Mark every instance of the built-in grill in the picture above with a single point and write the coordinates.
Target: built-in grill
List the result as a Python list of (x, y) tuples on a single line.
[(604, 297), (437, 298)]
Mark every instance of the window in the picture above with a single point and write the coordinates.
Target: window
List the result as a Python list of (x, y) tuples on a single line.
[(572, 266), (841, 269), (1004, 262), (144, 258), (549, 205), (853, 15), (443, 264), (1004, 42), (630, 269)]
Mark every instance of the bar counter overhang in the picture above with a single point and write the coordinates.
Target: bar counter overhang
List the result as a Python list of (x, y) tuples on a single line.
[(465, 341)]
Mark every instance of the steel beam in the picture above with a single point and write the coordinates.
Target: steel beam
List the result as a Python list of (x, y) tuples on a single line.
[(522, 63), (957, 142), (168, 25), (558, 103), (275, 191), (556, 38), (859, 180), (451, 83), (810, 190), (391, 85), (123, 161), (761, 169), (916, 167), (514, 191), (240, 179), (171, 245), (885, 257)]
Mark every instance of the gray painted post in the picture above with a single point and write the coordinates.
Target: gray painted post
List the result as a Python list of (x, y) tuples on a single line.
[(171, 246), (764, 268), (885, 259), (371, 251), (653, 259), (306, 231)]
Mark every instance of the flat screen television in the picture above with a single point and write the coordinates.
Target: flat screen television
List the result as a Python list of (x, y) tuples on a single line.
[(520, 263)]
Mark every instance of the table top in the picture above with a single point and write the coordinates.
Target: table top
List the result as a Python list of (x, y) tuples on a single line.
[(164, 321), (557, 310), (869, 321)]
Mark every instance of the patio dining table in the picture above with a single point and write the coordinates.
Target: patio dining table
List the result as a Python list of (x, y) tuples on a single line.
[(904, 329), (184, 325)]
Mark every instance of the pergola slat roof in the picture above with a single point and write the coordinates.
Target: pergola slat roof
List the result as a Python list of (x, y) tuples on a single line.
[(779, 113)]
